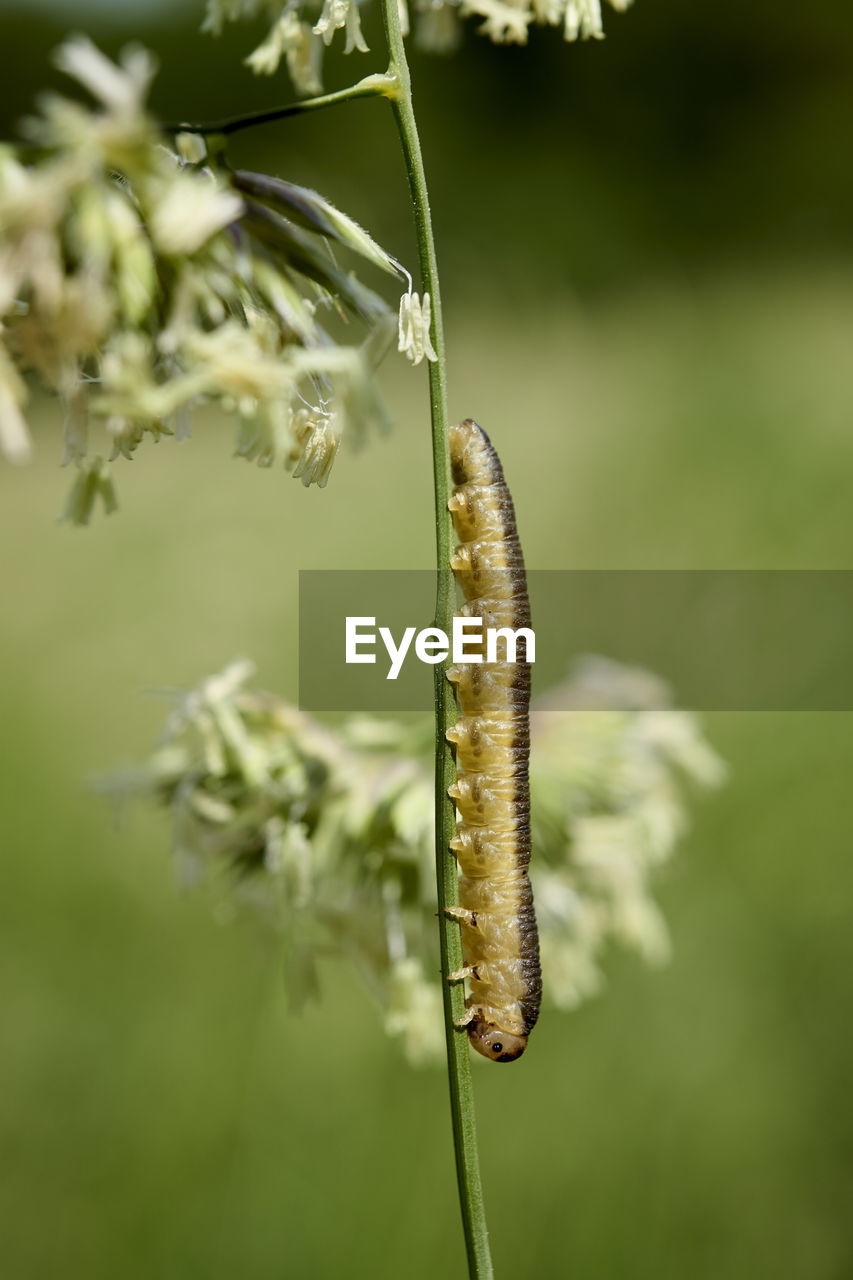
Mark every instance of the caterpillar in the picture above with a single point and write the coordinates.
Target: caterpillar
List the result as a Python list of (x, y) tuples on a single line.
[(500, 943)]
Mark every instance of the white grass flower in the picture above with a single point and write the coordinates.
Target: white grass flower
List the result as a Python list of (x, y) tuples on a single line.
[(570, 938), (583, 20), (437, 28), (265, 58), (329, 833), (127, 244), (333, 18), (304, 59), (230, 360), (191, 147), (317, 436), (549, 12), (677, 736), (294, 40), (121, 88), (355, 36), (505, 23), (76, 428), (218, 12), (264, 435), (611, 780), (637, 923), (93, 482), (191, 210), (413, 329), (32, 266), (235, 316), (414, 1013), (288, 858), (15, 440), (437, 25), (11, 274)]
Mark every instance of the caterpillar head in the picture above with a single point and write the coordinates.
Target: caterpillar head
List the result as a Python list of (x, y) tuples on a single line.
[(491, 1042)]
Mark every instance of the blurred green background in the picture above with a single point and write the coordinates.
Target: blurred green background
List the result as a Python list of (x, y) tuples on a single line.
[(646, 247)]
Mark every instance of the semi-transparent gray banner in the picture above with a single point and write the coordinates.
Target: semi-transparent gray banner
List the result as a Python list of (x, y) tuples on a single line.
[(759, 640)]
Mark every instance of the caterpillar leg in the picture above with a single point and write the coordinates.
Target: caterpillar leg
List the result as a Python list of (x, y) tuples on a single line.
[(463, 915), (466, 1020), (459, 975)]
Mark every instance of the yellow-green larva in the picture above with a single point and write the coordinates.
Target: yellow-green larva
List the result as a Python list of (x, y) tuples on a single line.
[(500, 942)]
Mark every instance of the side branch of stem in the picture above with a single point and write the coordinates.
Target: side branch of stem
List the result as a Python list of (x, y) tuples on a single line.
[(380, 85)]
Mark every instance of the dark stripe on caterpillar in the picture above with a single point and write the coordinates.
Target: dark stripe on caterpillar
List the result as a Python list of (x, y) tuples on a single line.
[(500, 942)]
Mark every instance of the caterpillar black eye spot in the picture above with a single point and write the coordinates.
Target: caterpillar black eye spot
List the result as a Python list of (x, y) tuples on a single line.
[(497, 1048)]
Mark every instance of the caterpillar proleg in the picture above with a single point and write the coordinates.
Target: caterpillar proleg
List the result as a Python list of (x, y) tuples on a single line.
[(492, 738)]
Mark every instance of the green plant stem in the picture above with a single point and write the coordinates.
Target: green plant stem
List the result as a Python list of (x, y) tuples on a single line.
[(396, 86), (375, 86), (458, 1058)]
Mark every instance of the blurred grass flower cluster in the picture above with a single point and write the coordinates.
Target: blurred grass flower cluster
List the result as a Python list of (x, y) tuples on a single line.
[(299, 31), (608, 775), (138, 281), (329, 832)]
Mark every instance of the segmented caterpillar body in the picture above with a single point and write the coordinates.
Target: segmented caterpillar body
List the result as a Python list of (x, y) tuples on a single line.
[(492, 738)]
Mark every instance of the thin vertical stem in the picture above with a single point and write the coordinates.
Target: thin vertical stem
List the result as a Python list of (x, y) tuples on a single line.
[(396, 86), (459, 1065)]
